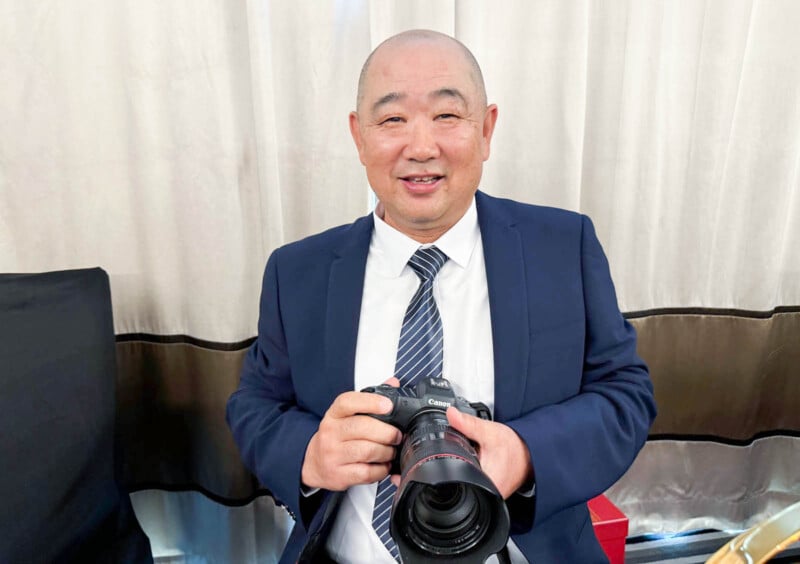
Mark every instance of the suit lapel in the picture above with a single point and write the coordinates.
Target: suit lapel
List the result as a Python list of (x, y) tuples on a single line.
[(345, 287), (508, 305)]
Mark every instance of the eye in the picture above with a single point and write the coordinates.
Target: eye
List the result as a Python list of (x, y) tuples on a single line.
[(391, 119), (446, 116)]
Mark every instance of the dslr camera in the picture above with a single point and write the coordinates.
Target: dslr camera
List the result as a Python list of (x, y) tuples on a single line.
[(446, 507)]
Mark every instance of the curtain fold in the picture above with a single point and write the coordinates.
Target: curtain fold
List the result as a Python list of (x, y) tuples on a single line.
[(177, 144)]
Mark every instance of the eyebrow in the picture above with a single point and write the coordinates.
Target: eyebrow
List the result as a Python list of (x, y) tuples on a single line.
[(448, 93), (440, 93), (383, 100)]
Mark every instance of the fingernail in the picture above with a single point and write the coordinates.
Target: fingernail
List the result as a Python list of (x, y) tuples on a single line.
[(387, 405)]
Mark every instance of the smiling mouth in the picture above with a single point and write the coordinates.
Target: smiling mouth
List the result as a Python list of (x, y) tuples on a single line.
[(422, 180)]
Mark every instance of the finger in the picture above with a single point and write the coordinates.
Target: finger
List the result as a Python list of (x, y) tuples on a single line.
[(469, 426), (352, 403), (364, 473), (393, 382), (367, 451), (363, 427), (395, 479)]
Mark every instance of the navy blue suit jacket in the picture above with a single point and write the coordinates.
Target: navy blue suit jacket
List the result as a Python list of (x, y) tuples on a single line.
[(567, 377)]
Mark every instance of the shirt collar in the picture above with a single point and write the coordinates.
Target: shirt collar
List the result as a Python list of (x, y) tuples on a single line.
[(392, 249)]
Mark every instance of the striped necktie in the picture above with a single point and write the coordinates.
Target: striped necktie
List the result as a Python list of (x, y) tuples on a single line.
[(419, 355)]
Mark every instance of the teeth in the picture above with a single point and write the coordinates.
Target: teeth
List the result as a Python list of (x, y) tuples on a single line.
[(425, 180)]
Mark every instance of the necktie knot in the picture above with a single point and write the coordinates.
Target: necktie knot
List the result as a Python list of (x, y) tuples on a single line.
[(427, 262)]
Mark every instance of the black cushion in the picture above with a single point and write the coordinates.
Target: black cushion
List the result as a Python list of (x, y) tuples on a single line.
[(59, 499)]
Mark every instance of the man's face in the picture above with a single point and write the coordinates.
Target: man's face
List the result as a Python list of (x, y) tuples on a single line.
[(422, 131)]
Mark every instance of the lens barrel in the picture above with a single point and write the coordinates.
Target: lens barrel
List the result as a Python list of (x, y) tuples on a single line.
[(446, 507)]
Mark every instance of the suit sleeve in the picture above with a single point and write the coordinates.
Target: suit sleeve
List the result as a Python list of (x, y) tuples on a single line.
[(269, 428), (582, 445)]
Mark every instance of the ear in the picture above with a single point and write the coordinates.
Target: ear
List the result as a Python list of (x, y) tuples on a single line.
[(489, 120), (355, 131)]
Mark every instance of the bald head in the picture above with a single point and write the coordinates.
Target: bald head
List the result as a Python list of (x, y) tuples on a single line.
[(418, 36)]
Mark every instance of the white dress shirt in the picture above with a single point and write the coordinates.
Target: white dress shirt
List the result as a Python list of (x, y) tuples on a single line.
[(461, 294)]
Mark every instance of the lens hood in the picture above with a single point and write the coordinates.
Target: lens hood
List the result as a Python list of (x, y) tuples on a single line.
[(447, 508)]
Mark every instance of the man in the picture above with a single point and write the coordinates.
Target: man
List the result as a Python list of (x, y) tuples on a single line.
[(529, 325)]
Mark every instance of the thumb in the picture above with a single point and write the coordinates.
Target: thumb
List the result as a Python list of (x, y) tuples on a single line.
[(467, 425), (393, 382)]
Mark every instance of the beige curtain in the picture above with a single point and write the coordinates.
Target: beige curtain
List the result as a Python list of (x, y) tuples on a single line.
[(176, 144)]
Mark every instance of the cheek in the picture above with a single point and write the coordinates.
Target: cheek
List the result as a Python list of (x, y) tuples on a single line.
[(468, 149), (469, 158), (381, 154)]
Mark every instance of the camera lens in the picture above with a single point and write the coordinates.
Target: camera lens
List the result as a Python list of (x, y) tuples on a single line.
[(444, 497), (448, 519), (447, 508)]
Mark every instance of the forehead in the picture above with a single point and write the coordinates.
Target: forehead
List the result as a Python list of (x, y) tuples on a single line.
[(418, 68)]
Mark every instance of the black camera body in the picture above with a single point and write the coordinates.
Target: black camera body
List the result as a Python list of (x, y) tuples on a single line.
[(446, 507), (429, 395)]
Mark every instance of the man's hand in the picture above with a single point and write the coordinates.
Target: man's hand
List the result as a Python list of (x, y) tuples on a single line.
[(350, 448), (503, 455)]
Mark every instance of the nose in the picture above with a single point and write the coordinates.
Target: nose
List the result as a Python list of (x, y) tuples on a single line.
[(422, 144)]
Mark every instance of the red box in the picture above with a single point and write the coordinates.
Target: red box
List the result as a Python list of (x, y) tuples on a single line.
[(610, 527)]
